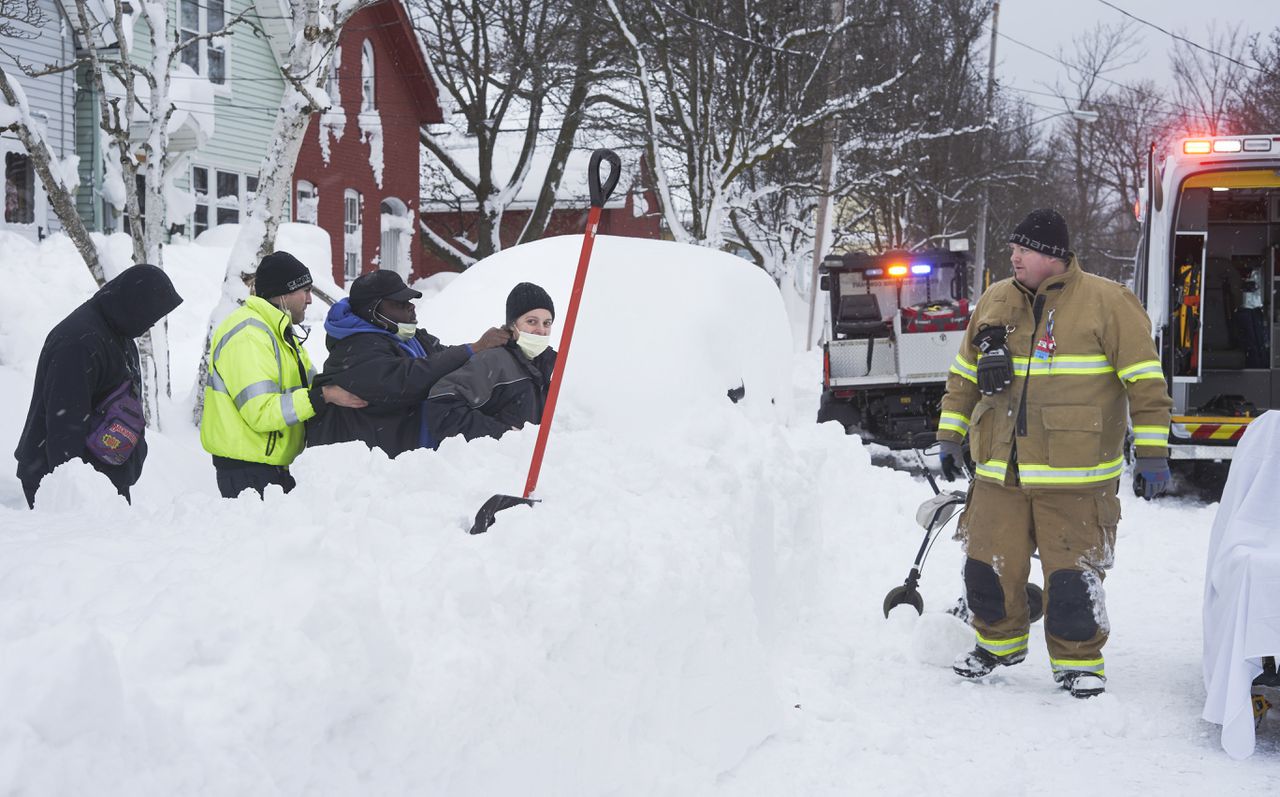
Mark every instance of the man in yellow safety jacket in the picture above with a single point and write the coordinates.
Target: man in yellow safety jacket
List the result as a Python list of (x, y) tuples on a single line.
[(259, 392), (1054, 366)]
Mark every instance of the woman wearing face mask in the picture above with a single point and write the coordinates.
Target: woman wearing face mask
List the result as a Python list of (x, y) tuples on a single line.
[(374, 342), (502, 388)]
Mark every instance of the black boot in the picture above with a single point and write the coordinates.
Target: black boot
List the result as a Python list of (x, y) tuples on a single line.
[(1081, 684), (980, 662)]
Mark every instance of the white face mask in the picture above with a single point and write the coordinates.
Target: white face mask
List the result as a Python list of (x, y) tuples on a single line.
[(533, 345), (406, 331)]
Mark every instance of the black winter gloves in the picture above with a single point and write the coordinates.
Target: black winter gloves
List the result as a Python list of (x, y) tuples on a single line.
[(951, 459), (995, 366)]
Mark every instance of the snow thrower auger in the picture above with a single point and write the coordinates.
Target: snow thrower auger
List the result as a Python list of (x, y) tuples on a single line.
[(932, 516), (600, 191)]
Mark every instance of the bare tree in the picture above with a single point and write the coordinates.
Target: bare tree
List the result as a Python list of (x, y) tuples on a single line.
[(1257, 108), (1206, 83), (516, 75), (1085, 170), (912, 170), (697, 88)]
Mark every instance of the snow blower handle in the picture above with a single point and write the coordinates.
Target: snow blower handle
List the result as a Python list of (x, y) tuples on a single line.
[(600, 192)]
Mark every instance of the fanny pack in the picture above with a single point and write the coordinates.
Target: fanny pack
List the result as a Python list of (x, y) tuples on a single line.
[(116, 426)]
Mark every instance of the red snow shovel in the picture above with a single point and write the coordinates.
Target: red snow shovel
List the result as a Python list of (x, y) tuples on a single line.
[(599, 194)]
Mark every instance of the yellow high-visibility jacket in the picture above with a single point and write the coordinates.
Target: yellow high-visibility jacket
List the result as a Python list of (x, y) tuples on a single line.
[(1069, 429), (255, 399)]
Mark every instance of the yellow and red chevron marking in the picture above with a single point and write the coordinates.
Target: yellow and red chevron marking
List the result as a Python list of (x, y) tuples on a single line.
[(1204, 428)]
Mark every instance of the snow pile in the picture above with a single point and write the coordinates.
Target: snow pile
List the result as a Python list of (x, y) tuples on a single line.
[(665, 330)]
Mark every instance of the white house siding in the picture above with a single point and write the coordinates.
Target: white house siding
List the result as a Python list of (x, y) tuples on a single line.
[(244, 107), (51, 100)]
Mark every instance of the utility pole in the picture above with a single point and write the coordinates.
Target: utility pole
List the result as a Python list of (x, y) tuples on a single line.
[(984, 208), (824, 199)]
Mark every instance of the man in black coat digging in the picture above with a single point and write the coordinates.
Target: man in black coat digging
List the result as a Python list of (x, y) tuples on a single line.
[(88, 368), (377, 352)]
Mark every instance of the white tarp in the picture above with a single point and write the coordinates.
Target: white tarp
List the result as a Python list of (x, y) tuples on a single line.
[(1242, 585)]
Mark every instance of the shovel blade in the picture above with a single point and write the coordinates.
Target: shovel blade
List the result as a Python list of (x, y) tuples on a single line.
[(900, 595), (486, 516)]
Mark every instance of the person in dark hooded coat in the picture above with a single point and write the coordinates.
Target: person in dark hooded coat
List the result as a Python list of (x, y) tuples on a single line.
[(377, 352), (85, 358), (503, 388)]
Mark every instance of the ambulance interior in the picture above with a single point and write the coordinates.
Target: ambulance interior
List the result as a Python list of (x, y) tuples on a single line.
[(1226, 313)]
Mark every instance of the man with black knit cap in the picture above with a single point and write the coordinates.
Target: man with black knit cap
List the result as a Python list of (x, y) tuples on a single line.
[(503, 388), (259, 389), (1054, 367), (377, 352)]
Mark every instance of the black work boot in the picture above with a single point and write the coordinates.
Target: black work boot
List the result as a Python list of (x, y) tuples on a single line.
[(1081, 684), (980, 662)]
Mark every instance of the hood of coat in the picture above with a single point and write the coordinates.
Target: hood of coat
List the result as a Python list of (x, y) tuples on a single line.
[(136, 299), (342, 322)]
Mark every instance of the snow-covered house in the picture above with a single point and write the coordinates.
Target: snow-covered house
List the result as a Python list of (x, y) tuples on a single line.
[(49, 98), (358, 171), (225, 90), (450, 213)]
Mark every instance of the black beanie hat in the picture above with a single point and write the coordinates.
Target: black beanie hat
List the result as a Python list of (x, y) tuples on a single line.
[(280, 273), (1045, 231), (525, 297)]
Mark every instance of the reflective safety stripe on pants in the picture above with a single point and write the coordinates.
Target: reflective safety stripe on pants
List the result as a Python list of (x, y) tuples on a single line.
[(1075, 532)]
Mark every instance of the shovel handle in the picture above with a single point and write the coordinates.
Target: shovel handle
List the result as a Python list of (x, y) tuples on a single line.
[(600, 191)]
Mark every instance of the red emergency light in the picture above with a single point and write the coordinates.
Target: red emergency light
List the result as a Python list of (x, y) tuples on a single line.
[(1197, 147), (898, 270)]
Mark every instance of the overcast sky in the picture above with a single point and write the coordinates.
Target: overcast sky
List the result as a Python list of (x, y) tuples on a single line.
[(1050, 25)]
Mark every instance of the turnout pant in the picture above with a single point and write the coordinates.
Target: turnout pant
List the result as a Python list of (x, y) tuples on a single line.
[(1075, 530), (235, 476)]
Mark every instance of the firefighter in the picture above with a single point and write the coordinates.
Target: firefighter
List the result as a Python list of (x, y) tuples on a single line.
[(1053, 365)]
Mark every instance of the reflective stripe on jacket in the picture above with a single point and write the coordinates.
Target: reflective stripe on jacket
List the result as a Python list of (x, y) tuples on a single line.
[(1104, 373), (255, 399)]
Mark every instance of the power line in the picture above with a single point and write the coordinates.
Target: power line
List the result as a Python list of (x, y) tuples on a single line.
[(1177, 37)]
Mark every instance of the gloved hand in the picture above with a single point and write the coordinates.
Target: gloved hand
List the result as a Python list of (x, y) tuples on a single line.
[(951, 458), (1152, 475), (995, 366)]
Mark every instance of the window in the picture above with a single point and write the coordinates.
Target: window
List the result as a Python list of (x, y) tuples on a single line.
[(228, 207), (19, 189), (366, 77), (333, 88), (397, 229), (351, 233), (200, 187), (306, 208), (207, 57), (221, 200)]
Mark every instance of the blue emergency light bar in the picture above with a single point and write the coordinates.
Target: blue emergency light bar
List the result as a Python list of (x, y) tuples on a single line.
[(921, 268)]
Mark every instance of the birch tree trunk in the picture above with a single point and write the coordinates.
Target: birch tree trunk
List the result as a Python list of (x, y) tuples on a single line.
[(49, 170)]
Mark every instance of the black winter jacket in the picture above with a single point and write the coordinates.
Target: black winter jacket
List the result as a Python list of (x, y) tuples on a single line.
[(375, 367), (498, 390), (85, 357)]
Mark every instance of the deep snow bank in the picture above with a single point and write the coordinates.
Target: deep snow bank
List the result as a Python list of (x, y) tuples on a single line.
[(350, 637)]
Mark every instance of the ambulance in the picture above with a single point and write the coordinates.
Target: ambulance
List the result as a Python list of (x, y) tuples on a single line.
[(1206, 268)]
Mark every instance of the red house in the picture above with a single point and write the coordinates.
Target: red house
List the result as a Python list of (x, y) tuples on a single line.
[(358, 172)]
